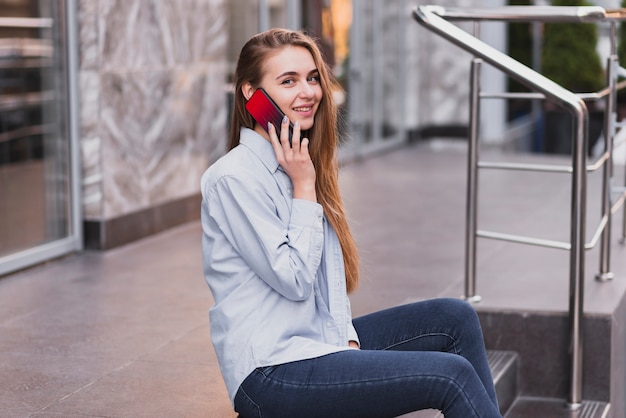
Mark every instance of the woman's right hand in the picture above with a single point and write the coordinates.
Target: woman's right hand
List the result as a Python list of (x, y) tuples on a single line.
[(295, 159)]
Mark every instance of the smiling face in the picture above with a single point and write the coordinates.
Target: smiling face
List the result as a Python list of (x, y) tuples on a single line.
[(291, 78)]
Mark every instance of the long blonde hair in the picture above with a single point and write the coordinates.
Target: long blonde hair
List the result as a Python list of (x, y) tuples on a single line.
[(323, 135)]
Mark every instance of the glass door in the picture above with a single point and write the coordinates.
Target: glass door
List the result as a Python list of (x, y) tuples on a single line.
[(39, 191), (376, 76)]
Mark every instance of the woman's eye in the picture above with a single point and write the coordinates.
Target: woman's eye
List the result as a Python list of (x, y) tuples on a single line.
[(314, 79), (287, 81)]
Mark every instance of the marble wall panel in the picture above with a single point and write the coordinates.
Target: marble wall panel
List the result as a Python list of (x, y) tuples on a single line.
[(92, 193), (91, 177), (89, 96), (129, 36), (89, 85), (88, 35), (193, 31), (148, 33), (155, 127), (153, 103)]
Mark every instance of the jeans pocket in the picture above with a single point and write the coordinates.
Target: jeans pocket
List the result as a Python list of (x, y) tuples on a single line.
[(245, 406), (267, 370)]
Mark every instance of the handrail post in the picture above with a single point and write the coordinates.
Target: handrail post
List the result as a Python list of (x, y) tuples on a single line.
[(472, 184), (623, 239), (577, 253), (607, 170)]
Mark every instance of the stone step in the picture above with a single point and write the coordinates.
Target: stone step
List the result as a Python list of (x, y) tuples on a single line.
[(529, 407), (504, 367), (541, 340)]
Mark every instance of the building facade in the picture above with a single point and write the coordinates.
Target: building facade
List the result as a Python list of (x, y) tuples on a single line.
[(110, 110)]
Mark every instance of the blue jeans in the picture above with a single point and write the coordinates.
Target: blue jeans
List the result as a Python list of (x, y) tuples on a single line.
[(422, 355)]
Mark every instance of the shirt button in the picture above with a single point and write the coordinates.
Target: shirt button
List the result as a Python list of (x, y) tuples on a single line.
[(329, 324)]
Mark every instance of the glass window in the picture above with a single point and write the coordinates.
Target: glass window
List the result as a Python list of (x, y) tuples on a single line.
[(35, 157)]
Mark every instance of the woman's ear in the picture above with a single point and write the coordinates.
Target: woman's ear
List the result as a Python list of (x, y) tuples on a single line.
[(247, 90)]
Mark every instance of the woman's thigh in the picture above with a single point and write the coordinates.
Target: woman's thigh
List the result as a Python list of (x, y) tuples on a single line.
[(444, 325), (366, 383), (431, 325)]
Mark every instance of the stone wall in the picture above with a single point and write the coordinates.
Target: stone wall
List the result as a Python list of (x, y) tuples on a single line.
[(153, 111)]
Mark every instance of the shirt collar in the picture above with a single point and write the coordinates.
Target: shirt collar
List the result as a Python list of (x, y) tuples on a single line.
[(260, 146)]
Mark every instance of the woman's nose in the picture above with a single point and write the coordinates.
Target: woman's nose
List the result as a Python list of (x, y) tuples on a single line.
[(306, 90)]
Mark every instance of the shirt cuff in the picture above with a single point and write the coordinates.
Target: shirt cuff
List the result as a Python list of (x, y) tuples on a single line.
[(307, 213)]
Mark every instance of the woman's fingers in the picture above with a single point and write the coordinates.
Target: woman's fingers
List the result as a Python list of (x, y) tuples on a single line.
[(294, 159), (284, 133), (289, 153), (283, 141), (294, 141)]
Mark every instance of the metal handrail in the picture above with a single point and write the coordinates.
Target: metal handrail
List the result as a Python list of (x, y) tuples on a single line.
[(546, 168), (559, 245), (432, 18), (601, 94), (524, 13)]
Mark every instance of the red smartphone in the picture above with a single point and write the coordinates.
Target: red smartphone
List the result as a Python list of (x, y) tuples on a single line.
[(263, 109)]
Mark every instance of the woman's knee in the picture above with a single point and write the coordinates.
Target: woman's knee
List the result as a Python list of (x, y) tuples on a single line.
[(455, 309), (459, 316)]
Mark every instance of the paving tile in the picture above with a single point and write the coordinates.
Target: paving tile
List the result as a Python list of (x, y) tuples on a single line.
[(151, 389), (31, 382), (192, 348)]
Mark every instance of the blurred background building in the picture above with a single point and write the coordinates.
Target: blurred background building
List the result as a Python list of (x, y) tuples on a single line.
[(110, 110)]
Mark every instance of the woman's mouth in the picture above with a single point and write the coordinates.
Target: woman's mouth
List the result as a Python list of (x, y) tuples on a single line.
[(303, 109)]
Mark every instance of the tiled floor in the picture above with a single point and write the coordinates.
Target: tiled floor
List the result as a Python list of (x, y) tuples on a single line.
[(124, 333)]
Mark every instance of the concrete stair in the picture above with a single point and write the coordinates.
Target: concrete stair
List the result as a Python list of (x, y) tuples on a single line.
[(504, 368), (525, 407), (539, 340)]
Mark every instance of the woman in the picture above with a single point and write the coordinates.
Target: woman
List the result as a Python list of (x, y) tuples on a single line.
[(279, 259)]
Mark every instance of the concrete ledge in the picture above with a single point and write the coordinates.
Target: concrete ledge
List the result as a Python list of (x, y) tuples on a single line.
[(111, 233), (425, 132)]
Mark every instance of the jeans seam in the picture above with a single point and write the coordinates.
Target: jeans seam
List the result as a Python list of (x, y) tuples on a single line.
[(426, 335), (365, 382), (461, 392)]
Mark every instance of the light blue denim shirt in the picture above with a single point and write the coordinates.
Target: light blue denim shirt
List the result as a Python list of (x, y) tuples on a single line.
[(274, 266)]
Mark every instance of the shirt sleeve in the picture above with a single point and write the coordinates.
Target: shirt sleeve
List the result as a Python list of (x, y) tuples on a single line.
[(285, 253)]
